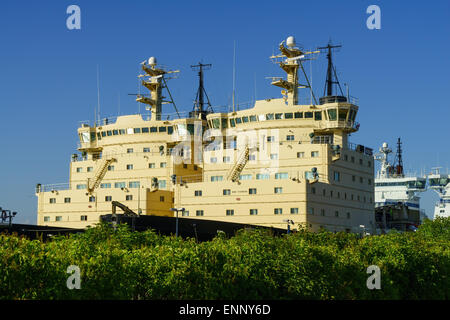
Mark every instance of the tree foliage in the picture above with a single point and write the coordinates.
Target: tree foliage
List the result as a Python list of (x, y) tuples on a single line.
[(253, 264)]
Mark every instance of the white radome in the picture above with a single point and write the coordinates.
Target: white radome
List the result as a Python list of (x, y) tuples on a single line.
[(152, 61), (385, 145), (290, 41)]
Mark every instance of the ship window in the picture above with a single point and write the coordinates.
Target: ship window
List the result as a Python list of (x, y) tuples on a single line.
[(145, 130), (290, 137), (108, 198), (308, 115), (213, 160), (269, 116), (253, 212), (278, 211), (58, 218), (298, 115), (289, 115), (278, 116), (129, 197), (109, 133), (311, 210), (199, 213), (146, 150), (238, 120), (262, 176), (342, 114), (129, 167), (110, 168), (133, 184), (230, 212), (226, 192), (300, 154), (130, 131), (270, 138), (81, 186), (252, 191), (318, 115), (91, 199), (83, 218), (216, 178), (122, 131), (105, 185), (90, 169), (92, 136), (314, 154), (137, 130), (66, 200), (245, 119), (226, 159), (274, 156), (115, 132), (52, 200), (153, 129), (216, 123), (252, 118), (163, 165), (185, 213), (198, 193), (84, 137), (162, 184), (224, 123), (261, 117), (190, 128), (169, 130), (46, 219), (245, 177), (281, 175), (103, 133), (278, 190), (79, 169), (294, 210), (232, 123), (337, 176), (119, 185), (130, 150), (332, 114)]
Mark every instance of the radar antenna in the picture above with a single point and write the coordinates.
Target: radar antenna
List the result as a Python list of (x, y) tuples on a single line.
[(199, 103)]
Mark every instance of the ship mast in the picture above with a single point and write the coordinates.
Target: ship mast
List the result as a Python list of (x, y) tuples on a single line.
[(199, 103), (291, 64), (399, 160), (154, 84), (331, 71)]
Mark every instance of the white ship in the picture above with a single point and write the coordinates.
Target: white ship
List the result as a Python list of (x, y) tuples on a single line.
[(441, 184), (397, 200)]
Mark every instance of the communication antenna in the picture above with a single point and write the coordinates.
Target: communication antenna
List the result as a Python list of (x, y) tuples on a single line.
[(399, 160), (98, 93), (234, 77)]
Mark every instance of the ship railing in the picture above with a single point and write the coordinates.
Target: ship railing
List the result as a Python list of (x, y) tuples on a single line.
[(339, 124), (55, 187), (360, 148)]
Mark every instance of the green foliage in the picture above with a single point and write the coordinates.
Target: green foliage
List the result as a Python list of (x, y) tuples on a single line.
[(253, 264)]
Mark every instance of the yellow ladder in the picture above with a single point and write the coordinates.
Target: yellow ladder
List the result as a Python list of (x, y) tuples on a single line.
[(239, 165), (99, 174)]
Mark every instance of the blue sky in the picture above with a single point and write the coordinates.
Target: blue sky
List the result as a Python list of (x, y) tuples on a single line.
[(48, 74)]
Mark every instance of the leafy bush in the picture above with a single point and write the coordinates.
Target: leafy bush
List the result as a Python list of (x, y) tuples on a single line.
[(253, 264)]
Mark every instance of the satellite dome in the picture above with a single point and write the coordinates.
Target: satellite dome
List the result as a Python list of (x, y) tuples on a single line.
[(152, 61), (385, 145), (290, 41)]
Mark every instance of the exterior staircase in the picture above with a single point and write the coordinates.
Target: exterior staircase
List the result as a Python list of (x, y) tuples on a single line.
[(99, 174), (237, 168)]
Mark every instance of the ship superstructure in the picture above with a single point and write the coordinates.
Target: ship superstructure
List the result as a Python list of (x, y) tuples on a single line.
[(397, 200), (276, 163), (440, 183)]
